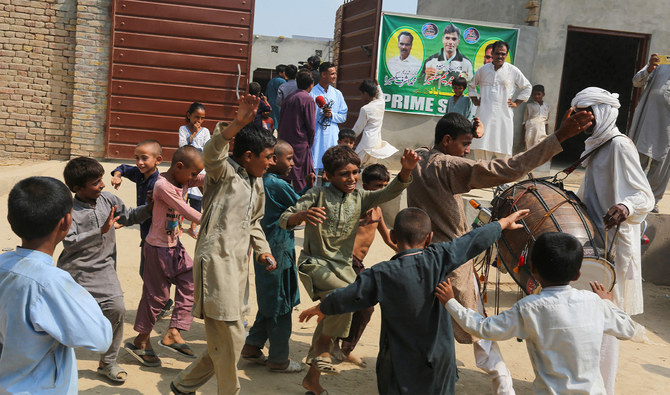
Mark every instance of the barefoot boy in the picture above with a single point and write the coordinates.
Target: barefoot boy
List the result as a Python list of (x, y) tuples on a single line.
[(277, 290), (167, 261), (233, 205), (332, 213), (416, 347), (563, 327), (89, 249), (375, 177), (44, 312)]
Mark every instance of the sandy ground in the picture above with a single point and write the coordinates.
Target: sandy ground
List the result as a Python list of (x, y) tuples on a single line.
[(642, 368)]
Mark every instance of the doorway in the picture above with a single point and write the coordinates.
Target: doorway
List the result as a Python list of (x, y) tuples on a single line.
[(606, 59)]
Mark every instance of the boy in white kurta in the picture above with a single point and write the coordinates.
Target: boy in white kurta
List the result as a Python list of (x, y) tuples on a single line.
[(616, 189), (535, 120), (563, 327), (368, 127)]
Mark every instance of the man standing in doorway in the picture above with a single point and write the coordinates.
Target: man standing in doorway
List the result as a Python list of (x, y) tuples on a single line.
[(329, 115), (449, 63), (497, 81), (650, 129)]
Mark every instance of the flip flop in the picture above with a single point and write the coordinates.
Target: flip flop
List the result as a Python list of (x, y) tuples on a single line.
[(112, 372), (181, 348), (293, 367), (139, 354), (258, 360), (323, 365)]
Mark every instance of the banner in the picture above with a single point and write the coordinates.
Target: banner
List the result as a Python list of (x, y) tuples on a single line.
[(419, 58)]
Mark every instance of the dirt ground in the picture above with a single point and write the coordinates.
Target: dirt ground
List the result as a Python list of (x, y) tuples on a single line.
[(643, 368)]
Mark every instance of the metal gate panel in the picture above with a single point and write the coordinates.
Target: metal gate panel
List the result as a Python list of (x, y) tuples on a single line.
[(357, 51), (168, 54)]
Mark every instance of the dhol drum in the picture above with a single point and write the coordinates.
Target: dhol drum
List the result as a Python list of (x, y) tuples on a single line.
[(552, 209)]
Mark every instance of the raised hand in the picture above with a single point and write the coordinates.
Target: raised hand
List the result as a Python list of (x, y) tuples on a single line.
[(510, 223), (247, 108), (574, 124), (654, 61), (116, 181), (409, 159), (109, 223)]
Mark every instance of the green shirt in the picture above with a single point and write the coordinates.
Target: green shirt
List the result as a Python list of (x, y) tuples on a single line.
[(331, 243)]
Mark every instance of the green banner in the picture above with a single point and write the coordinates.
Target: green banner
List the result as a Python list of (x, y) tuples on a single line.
[(418, 59)]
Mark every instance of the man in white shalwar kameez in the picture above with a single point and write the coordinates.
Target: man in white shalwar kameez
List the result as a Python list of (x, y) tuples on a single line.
[(616, 193), (497, 82), (650, 129), (368, 127)]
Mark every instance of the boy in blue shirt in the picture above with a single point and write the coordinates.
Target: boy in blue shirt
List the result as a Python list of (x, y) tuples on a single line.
[(45, 313)]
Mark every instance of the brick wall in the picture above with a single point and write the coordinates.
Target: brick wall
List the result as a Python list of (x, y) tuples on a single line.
[(54, 64)]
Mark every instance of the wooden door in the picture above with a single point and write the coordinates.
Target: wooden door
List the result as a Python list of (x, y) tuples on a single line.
[(359, 32), (168, 54)]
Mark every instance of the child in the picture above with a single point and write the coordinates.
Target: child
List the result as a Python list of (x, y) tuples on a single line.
[(148, 155), (267, 121), (167, 262), (416, 347), (233, 205), (193, 133), (276, 291), (459, 103), (263, 105), (374, 177), (368, 127), (535, 122), (332, 213), (44, 312), (89, 249), (346, 137), (563, 327)]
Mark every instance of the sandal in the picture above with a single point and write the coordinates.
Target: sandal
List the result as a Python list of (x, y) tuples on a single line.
[(151, 359), (293, 367), (323, 365), (181, 348), (112, 371)]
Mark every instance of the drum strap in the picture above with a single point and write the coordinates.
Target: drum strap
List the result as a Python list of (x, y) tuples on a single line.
[(574, 166)]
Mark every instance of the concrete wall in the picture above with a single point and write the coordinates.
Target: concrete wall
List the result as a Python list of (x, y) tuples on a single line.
[(407, 130), (289, 51), (555, 16), (54, 58)]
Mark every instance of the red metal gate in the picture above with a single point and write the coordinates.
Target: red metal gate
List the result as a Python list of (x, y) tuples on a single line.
[(357, 51), (168, 54)]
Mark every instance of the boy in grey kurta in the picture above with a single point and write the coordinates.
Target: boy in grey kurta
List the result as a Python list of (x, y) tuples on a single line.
[(332, 213), (233, 205), (89, 249), (442, 175)]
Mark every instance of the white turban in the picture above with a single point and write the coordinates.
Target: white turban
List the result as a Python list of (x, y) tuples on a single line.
[(605, 111)]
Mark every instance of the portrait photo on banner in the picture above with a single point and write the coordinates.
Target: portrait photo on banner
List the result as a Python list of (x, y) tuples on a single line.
[(418, 58)]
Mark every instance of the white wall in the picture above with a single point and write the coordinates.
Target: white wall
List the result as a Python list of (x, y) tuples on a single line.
[(289, 50)]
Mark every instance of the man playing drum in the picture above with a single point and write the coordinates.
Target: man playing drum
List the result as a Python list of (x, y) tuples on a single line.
[(442, 175), (616, 189)]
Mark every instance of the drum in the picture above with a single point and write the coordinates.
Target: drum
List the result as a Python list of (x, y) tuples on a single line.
[(552, 209)]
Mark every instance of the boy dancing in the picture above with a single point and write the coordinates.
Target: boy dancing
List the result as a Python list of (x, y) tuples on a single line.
[(416, 346), (332, 213)]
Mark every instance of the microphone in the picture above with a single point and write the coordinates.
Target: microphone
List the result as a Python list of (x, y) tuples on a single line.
[(320, 101), (323, 105)]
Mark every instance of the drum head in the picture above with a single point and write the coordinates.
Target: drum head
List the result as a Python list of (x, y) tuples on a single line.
[(595, 269)]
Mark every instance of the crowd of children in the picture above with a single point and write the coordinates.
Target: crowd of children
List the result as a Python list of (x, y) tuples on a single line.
[(249, 211)]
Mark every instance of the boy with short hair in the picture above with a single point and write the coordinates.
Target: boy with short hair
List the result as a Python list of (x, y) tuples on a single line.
[(459, 103), (374, 177), (535, 122), (167, 261), (416, 347), (89, 249), (233, 205), (346, 137), (563, 327), (332, 213), (148, 155), (276, 291), (45, 313)]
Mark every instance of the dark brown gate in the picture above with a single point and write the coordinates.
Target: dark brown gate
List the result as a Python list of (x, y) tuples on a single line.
[(168, 54), (359, 31)]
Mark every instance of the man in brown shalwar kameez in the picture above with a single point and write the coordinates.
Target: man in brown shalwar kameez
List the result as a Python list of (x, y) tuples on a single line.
[(442, 175)]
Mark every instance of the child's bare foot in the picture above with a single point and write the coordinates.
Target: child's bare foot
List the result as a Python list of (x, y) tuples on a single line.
[(173, 341), (355, 360), (311, 381)]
